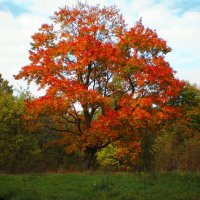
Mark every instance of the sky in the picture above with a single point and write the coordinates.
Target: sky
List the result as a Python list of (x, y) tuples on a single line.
[(176, 21)]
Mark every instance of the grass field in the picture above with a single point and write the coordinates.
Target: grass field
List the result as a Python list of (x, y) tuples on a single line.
[(78, 186)]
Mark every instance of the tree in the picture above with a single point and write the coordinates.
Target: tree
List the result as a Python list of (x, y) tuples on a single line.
[(5, 88), (19, 150), (190, 98), (180, 137), (104, 82)]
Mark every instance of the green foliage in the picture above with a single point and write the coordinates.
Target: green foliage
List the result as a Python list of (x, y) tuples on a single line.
[(120, 186), (175, 149), (145, 158), (166, 154), (177, 146), (5, 88), (190, 98), (22, 149), (106, 158), (21, 153), (19, 150)]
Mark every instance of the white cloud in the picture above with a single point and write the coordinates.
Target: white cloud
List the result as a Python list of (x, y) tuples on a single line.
[(47, 7), (189, 74), (14, 41)]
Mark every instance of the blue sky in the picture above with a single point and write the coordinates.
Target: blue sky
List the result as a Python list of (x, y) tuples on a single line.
[(14, 8), (177, 21)]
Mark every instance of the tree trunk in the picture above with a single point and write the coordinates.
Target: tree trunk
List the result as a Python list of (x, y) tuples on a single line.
[(89, 158)]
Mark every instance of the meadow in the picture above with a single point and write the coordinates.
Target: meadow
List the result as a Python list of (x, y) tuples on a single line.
[(99, 185)]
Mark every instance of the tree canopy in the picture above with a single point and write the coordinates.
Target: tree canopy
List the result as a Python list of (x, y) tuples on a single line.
[(5, 88), (104, 81)]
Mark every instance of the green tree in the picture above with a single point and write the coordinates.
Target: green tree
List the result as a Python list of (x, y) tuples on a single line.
[(19, 150), (177, 146), (5, 88)]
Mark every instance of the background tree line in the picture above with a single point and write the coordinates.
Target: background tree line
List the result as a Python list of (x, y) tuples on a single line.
[(174, 145)]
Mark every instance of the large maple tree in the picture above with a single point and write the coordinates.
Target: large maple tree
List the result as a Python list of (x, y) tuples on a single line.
[(104, 82)]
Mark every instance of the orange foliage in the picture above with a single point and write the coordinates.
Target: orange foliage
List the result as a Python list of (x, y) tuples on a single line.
[(103, 81)]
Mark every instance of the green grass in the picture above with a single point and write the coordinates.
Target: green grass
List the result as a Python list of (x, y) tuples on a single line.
[(100, 186)]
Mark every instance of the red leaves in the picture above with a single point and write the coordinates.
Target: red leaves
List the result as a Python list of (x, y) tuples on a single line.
[(145, 40), (118, 77)]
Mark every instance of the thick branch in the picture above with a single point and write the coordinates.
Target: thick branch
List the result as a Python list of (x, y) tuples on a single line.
[(93, 110), (70, 121), (88, 74), (106, 84), (104, 145), (59, 130), (79, 121), (131, 84)]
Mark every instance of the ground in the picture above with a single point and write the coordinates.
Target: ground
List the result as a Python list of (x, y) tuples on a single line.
[(99, 185)]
